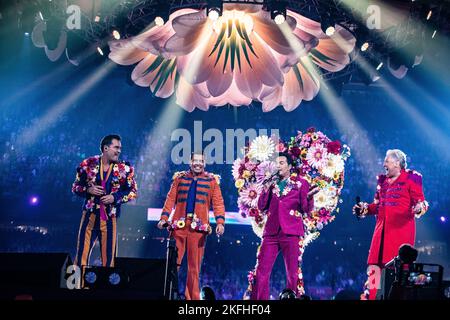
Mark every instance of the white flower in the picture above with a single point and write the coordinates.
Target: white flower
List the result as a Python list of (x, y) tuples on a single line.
[(333, 164), (317, 156), (321, 199), (262, 148), (193, 225), (127, 169), (235, 170)]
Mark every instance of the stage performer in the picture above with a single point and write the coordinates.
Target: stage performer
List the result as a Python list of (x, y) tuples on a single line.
[(192, 193), (287, 201), (105, 183), (398, 199)]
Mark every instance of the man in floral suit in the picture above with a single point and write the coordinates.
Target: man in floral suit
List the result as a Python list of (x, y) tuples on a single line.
[(398, 200), (287, 201), (105, 183), (191, 194)]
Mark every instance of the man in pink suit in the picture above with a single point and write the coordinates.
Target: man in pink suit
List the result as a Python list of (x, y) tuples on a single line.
[(287, 201)]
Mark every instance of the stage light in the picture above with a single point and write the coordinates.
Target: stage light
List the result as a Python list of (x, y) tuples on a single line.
[(26, 34), (279, 18), (429, 14), (434, 34), (443, 219), (34, 200), (162, 9), (90, 277), (116, 34), (327, 24), (330, 31), (213, 14), (97, 18), (277, 11), (214, 9), (380, 65), (100, 51), (159, 21), (365, 46), (114, 279)]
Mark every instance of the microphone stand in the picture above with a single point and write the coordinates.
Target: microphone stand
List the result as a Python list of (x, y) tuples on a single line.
[(171, 276)]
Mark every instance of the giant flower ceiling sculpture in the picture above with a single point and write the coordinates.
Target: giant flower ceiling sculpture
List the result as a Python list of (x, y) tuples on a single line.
[(240, 57)]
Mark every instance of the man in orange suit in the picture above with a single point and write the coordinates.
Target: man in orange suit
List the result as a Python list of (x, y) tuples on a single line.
[(191, 194)]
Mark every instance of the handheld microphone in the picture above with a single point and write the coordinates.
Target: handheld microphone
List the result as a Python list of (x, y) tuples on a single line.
[(271, 177), (358, 210)]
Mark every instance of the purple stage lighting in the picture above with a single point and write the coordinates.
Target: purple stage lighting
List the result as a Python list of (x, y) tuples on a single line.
[(34, 200)]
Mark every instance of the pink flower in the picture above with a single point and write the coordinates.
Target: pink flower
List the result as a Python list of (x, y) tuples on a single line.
[(90, 204), (253, 212), (280, 147), (295, 151), (264, 171), (334, 147), (249, 195), (250, 165)]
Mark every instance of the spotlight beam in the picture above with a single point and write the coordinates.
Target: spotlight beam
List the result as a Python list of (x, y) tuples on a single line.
[(29, 135), (435, 135), (346, 122)]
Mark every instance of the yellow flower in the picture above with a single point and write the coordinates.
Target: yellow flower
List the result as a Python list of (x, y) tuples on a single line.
[(336, 176), (180, 224), (239, 183), (314, 137), (246, 174), (303, 153), (125, 198)]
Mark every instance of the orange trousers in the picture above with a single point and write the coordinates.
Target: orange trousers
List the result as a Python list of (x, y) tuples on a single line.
[(194, 243)]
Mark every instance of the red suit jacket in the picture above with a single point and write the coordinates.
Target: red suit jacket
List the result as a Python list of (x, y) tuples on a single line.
[(395, 223), (208, 192)]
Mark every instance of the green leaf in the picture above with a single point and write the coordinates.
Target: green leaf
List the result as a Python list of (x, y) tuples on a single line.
[(298, 76), (161, 70), (227, 53), (219, 39), (244, 49), (155, 64), (230, 27), (238, 54), (239, 29), (164, 76), (309, 72), (232, 49), (249, 43), (317, 54), (220, 52)]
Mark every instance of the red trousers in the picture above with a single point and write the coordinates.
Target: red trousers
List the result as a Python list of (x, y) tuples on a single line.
[(194, 243)]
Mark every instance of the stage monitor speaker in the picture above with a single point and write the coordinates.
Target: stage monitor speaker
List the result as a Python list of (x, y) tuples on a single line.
[(144, 274), (33, 270)]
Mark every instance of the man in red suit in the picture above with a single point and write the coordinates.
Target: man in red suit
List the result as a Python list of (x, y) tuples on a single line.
[(398, 199)]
